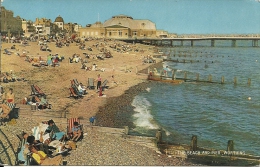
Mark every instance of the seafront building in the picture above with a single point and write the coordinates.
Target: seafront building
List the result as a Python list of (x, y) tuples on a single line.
[(121, 26), (9, 23)]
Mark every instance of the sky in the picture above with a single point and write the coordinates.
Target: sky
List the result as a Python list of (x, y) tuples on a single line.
[(174, 16)]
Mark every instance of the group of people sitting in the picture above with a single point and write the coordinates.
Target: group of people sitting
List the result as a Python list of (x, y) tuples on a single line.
[(75, 58), (10, 77), (40, 103), (52, 60), (47, 144)]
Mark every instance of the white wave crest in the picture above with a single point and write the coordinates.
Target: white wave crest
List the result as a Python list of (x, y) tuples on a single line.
[(143, 117)]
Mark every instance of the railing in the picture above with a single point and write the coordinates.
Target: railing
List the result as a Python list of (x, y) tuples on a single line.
[(6, 148)]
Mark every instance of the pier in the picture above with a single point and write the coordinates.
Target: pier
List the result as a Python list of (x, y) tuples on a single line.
[(192, 40)]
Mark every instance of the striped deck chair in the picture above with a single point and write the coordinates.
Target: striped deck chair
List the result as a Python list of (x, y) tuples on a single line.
[(77, 91), (70, 125), (40, 92), (72, 93), (91, 83)]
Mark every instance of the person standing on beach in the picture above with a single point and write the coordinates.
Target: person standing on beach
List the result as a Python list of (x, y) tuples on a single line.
[(98, 82)]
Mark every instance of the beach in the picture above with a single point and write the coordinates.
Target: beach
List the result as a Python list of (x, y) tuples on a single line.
[(96, 148)]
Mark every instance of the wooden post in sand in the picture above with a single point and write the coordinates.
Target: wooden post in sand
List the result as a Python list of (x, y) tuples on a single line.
[(126, 130), (158, 136), (136, 70)]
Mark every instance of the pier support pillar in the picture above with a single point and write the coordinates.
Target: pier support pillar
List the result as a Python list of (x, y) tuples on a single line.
[(212, 43), (234, 43), (171, 42), (194, 143), (181, 43), (230, 146), (191, 43), (255, 43)]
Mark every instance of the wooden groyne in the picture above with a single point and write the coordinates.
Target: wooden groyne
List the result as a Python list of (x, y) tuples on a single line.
[(162, 76)]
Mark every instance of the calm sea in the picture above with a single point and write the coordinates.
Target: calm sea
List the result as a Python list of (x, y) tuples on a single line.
[(214, 112)]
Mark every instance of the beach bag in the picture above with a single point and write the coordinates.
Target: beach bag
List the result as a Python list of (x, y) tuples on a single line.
[(37, 158), (72, 144)]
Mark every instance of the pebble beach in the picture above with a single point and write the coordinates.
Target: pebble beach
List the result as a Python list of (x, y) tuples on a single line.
[(97, 148)]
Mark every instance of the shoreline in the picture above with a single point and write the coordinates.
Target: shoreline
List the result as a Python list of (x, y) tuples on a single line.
[(109, 114)]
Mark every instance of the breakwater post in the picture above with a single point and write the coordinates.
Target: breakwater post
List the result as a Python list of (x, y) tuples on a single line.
[(222, 80), (126, 130), (249, 81), (158, 136), (185, 76), (210, 78), (235, 80), (194, 142), (173, 75), (197, 77), (230, 146)]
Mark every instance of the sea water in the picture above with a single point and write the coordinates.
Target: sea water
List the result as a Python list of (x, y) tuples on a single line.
[(214, 112)]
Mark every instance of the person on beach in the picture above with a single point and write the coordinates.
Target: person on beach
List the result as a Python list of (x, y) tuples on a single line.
[(58, 135), (76, 131), (42, 159), (98, 82), (10, 96), (4, 110)]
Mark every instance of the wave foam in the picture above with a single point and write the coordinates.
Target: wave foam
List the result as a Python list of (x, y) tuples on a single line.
[(143, 117)]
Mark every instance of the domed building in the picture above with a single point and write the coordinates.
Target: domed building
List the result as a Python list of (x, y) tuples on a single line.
[(120, 26), (59, 22)]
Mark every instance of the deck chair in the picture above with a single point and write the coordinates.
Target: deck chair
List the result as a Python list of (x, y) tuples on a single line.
[(39, 91), (7, 52), (11, 111), (33, 92), (104, 85), (47, 105), (21, 158), (72, 93), (70, 125), (76, 82), (27, 58), (91, 83), (77, 91)]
